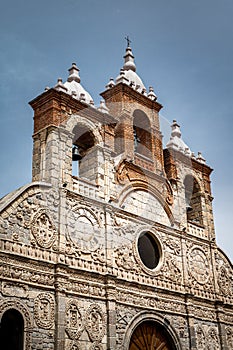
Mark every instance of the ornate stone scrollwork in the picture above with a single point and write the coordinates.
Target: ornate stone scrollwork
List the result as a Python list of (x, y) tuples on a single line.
[(95, 323), (44, 311), (74, 323), (43, 229)]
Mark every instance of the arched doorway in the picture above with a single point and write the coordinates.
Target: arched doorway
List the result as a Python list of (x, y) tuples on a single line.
[(150, 335), (12, 330)]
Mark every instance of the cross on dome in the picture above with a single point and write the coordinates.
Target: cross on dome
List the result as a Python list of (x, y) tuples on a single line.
[(128, 41)]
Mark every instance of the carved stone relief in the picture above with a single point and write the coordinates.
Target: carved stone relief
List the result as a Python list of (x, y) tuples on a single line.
[(74, 345), (17, 218), (96, 346), (14, 289), (43, 229), (213, 340), (95, 323), (224, 275), (44, 311), (125, 258), (198, 265), (201, 339), (171, 269), (207, 337), (224, 281), (74, 323), (26, 272), (84, 233), (229, 337)]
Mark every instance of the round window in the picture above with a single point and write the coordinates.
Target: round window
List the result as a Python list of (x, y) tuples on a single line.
[(148, 250)]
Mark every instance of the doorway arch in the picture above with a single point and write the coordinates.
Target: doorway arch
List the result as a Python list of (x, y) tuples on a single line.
[(20, 309), (149, 331), (12, 330)]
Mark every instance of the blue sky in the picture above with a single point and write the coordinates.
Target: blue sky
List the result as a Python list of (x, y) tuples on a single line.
[(182, 48)]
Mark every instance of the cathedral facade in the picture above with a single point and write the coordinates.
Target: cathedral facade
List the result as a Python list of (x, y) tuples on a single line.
[(112, 245)]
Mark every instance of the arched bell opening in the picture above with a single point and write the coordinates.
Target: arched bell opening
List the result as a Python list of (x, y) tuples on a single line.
[(193, 200), (83, 144), (150, 335), (142, 134), (12, 330)]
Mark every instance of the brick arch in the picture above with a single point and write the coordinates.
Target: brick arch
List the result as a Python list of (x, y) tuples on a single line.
[(27, 318), (156, 319), (76, 119), (189, 173), (146, 187)]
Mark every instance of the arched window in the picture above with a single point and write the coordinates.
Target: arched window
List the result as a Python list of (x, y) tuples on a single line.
[(193, 200), (142, 133), (151, 335), (83, 142), (12, 330)]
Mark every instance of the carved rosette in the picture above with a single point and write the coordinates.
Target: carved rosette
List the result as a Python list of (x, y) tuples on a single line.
[(95, 323), (198, 265), (74, 323), (43, 229), (44, 311)]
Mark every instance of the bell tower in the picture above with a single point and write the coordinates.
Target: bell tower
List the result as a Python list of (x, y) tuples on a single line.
[(137, 133)]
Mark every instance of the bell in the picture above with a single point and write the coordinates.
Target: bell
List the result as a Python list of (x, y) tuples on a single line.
[(188, 205), (75, 154), (189, 208)]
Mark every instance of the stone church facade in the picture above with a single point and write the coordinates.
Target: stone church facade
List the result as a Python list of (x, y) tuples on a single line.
[(112, 245)]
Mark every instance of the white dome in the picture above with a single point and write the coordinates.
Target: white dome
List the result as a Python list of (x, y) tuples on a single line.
[(128, 73), (74, 87)]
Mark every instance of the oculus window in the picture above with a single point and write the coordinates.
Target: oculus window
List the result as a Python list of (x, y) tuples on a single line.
[(148, 250)]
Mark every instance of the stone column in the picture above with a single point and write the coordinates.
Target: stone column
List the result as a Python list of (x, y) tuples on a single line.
[(111, 313)]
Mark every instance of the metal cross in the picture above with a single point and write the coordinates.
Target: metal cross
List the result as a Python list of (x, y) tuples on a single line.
[(128, 41)]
